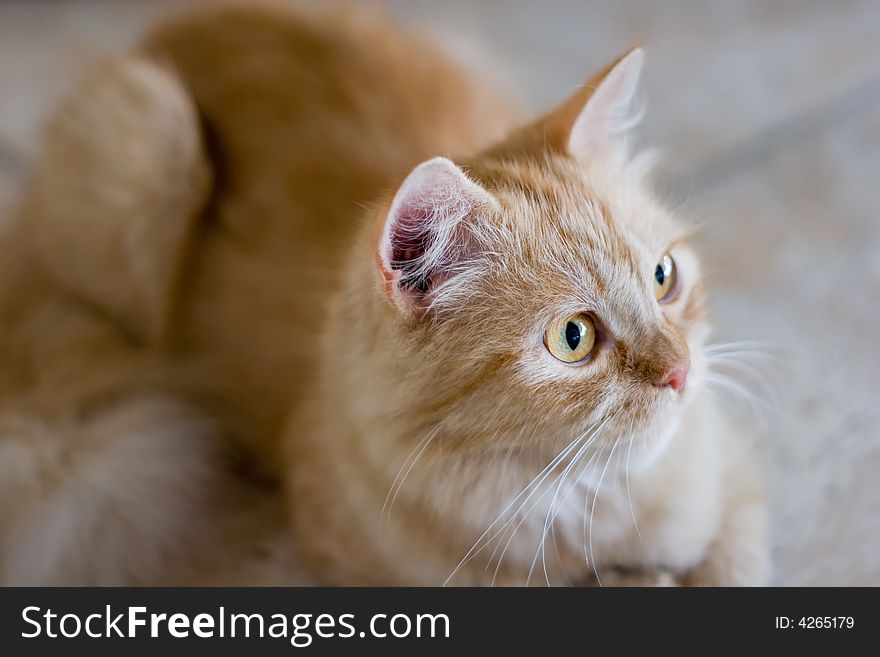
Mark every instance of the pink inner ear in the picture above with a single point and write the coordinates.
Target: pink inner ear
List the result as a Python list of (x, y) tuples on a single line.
[(424, 237), (411, 238)]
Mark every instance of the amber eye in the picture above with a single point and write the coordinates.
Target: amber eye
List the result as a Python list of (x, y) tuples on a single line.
[(665, 279), (571, 340)]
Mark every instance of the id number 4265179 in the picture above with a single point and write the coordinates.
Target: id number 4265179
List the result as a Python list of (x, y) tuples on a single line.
[(815, 623)]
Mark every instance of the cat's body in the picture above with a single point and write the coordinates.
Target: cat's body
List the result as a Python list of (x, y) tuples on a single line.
[(285, 96), (233, 287)]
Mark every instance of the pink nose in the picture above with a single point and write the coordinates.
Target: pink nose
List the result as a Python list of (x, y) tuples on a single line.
[(676, 378)]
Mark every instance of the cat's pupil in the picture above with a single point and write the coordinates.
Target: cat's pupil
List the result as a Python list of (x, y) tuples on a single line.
[(572, 335), (659, 275)]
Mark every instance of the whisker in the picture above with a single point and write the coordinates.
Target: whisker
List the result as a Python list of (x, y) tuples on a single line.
[(532, 485), (747, 344), (589, 488), (593, 431), (593, 509), (717, 383), (553, 509), (553, 504), (720, 380), (750, 371), (752, 359), (626, 474), (582, 439), (558, 556), (396, 485), (713, 350)]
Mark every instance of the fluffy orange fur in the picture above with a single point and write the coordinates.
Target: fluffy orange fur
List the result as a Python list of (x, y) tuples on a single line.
[(231, 266)]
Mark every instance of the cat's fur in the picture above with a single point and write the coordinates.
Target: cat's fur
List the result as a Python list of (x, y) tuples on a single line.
[(195, 271)]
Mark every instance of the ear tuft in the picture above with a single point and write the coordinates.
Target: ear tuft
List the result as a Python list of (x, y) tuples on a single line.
[(427, 238)]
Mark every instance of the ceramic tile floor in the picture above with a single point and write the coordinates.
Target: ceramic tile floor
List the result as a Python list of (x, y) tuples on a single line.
[(769, 118)]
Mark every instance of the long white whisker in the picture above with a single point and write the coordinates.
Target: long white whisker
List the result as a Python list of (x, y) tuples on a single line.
[(739, 362), (399, 480), (556, 550), (719, 380), (547, 522), (760, 409), (626, 471), (588, 489), (593, 509), (480, 543), (553, 509), (746, 351), (584, 437), (522, 516), (560, 479), (743, 344)]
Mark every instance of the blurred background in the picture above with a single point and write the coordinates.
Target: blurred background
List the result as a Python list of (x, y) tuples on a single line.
[(768, 118)]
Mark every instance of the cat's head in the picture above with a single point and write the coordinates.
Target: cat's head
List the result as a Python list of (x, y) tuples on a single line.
[(539, 292)]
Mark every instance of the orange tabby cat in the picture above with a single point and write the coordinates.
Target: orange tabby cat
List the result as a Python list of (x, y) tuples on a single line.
[(511, 387), (491, 375)]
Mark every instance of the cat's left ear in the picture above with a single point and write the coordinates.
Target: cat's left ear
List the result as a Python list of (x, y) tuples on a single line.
[(430, 234), (595, 118)]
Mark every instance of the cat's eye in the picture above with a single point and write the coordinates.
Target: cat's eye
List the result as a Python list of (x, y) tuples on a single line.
[(665, 279), (571, 340)]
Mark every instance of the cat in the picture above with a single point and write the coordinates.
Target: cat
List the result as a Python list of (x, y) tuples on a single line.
[(304, 252), (511, 389)]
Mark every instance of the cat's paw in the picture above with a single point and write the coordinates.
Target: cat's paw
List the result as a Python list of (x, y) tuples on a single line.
[(747, 568), (619, 577), (736, 559)]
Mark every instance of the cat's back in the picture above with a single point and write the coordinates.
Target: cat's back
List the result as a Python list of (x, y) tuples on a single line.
[(307, 117), (333, 104)]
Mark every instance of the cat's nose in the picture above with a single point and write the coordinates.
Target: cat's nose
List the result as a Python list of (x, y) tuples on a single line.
[(676, 378)]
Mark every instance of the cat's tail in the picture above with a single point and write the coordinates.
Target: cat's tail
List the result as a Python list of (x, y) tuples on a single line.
[(119, 495), (120, 183), (102, 479)]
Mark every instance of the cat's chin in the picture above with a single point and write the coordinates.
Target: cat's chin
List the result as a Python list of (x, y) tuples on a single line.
[(657, 434)]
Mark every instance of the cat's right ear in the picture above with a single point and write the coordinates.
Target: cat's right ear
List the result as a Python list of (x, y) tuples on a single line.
[(429, 233), (592, 121)]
